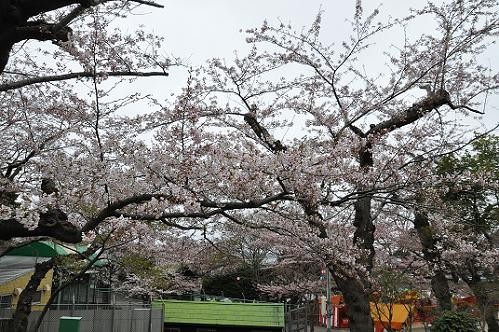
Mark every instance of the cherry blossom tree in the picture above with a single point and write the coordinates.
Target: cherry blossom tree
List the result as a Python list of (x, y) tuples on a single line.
[(367, 135), (72, 167), (296, 140), (42, 113), (57, 100)]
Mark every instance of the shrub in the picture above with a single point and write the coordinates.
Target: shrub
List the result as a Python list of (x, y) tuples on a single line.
[(451, 321)]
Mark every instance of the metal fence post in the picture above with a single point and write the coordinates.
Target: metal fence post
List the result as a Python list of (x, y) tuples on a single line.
[(163, 313), (131, 318), (149, 328), (93, 321), (112, 317)]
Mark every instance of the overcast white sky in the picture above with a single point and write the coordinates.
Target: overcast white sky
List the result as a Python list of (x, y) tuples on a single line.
[(197, 30)]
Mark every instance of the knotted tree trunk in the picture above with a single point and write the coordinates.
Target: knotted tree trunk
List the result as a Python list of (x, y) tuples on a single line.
[(439, 282), (23, 309)]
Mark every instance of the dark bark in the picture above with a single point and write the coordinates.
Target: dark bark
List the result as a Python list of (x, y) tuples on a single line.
[(486, 305), (363, 222), (433, 101), (357, 299), (23, 309), (273, 144), (30, 8), (439, 282), (364, 230), (440, 287), (486, 293), (14, 25), (53, 223), (356, 291)]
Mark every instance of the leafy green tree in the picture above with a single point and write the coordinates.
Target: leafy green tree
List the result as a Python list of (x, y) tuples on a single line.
[(476, 195), (473, 193)]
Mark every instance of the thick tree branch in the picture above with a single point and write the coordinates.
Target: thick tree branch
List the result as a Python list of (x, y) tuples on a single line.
[(357, 131), (148, 3), (41, 31), (15, 25), (51, 224), (110, 210), (30, 8), (262, 133), (9, 35), (216, 208), (69, 76), (54, 223), (413, 113)]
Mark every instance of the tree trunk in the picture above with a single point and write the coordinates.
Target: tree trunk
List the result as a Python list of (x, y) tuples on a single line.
[(23, 309), (480, 290), (364, 231), (439, 283), (490, 318), (357, 300), (356, 291), (440, 287), (363, 221)]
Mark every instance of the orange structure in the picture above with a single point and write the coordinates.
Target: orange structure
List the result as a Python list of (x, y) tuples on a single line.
[(387, 314), (408, 310), (395, 315)]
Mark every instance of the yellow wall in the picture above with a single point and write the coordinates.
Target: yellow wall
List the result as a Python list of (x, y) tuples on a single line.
[(45, 287)]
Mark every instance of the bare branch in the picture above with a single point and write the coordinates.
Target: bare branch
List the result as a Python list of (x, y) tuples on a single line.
[(77, 75), (148, 3)]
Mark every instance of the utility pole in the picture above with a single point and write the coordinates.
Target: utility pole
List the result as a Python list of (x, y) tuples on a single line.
[(329, 310)]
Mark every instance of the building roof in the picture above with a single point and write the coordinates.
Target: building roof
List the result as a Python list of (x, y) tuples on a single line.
[(12, 267), (22, 260), (223, 313), (53, 249), (44, 249)]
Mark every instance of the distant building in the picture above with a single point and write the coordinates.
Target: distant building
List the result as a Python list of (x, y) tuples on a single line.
[(17, 267), (15, 272)]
